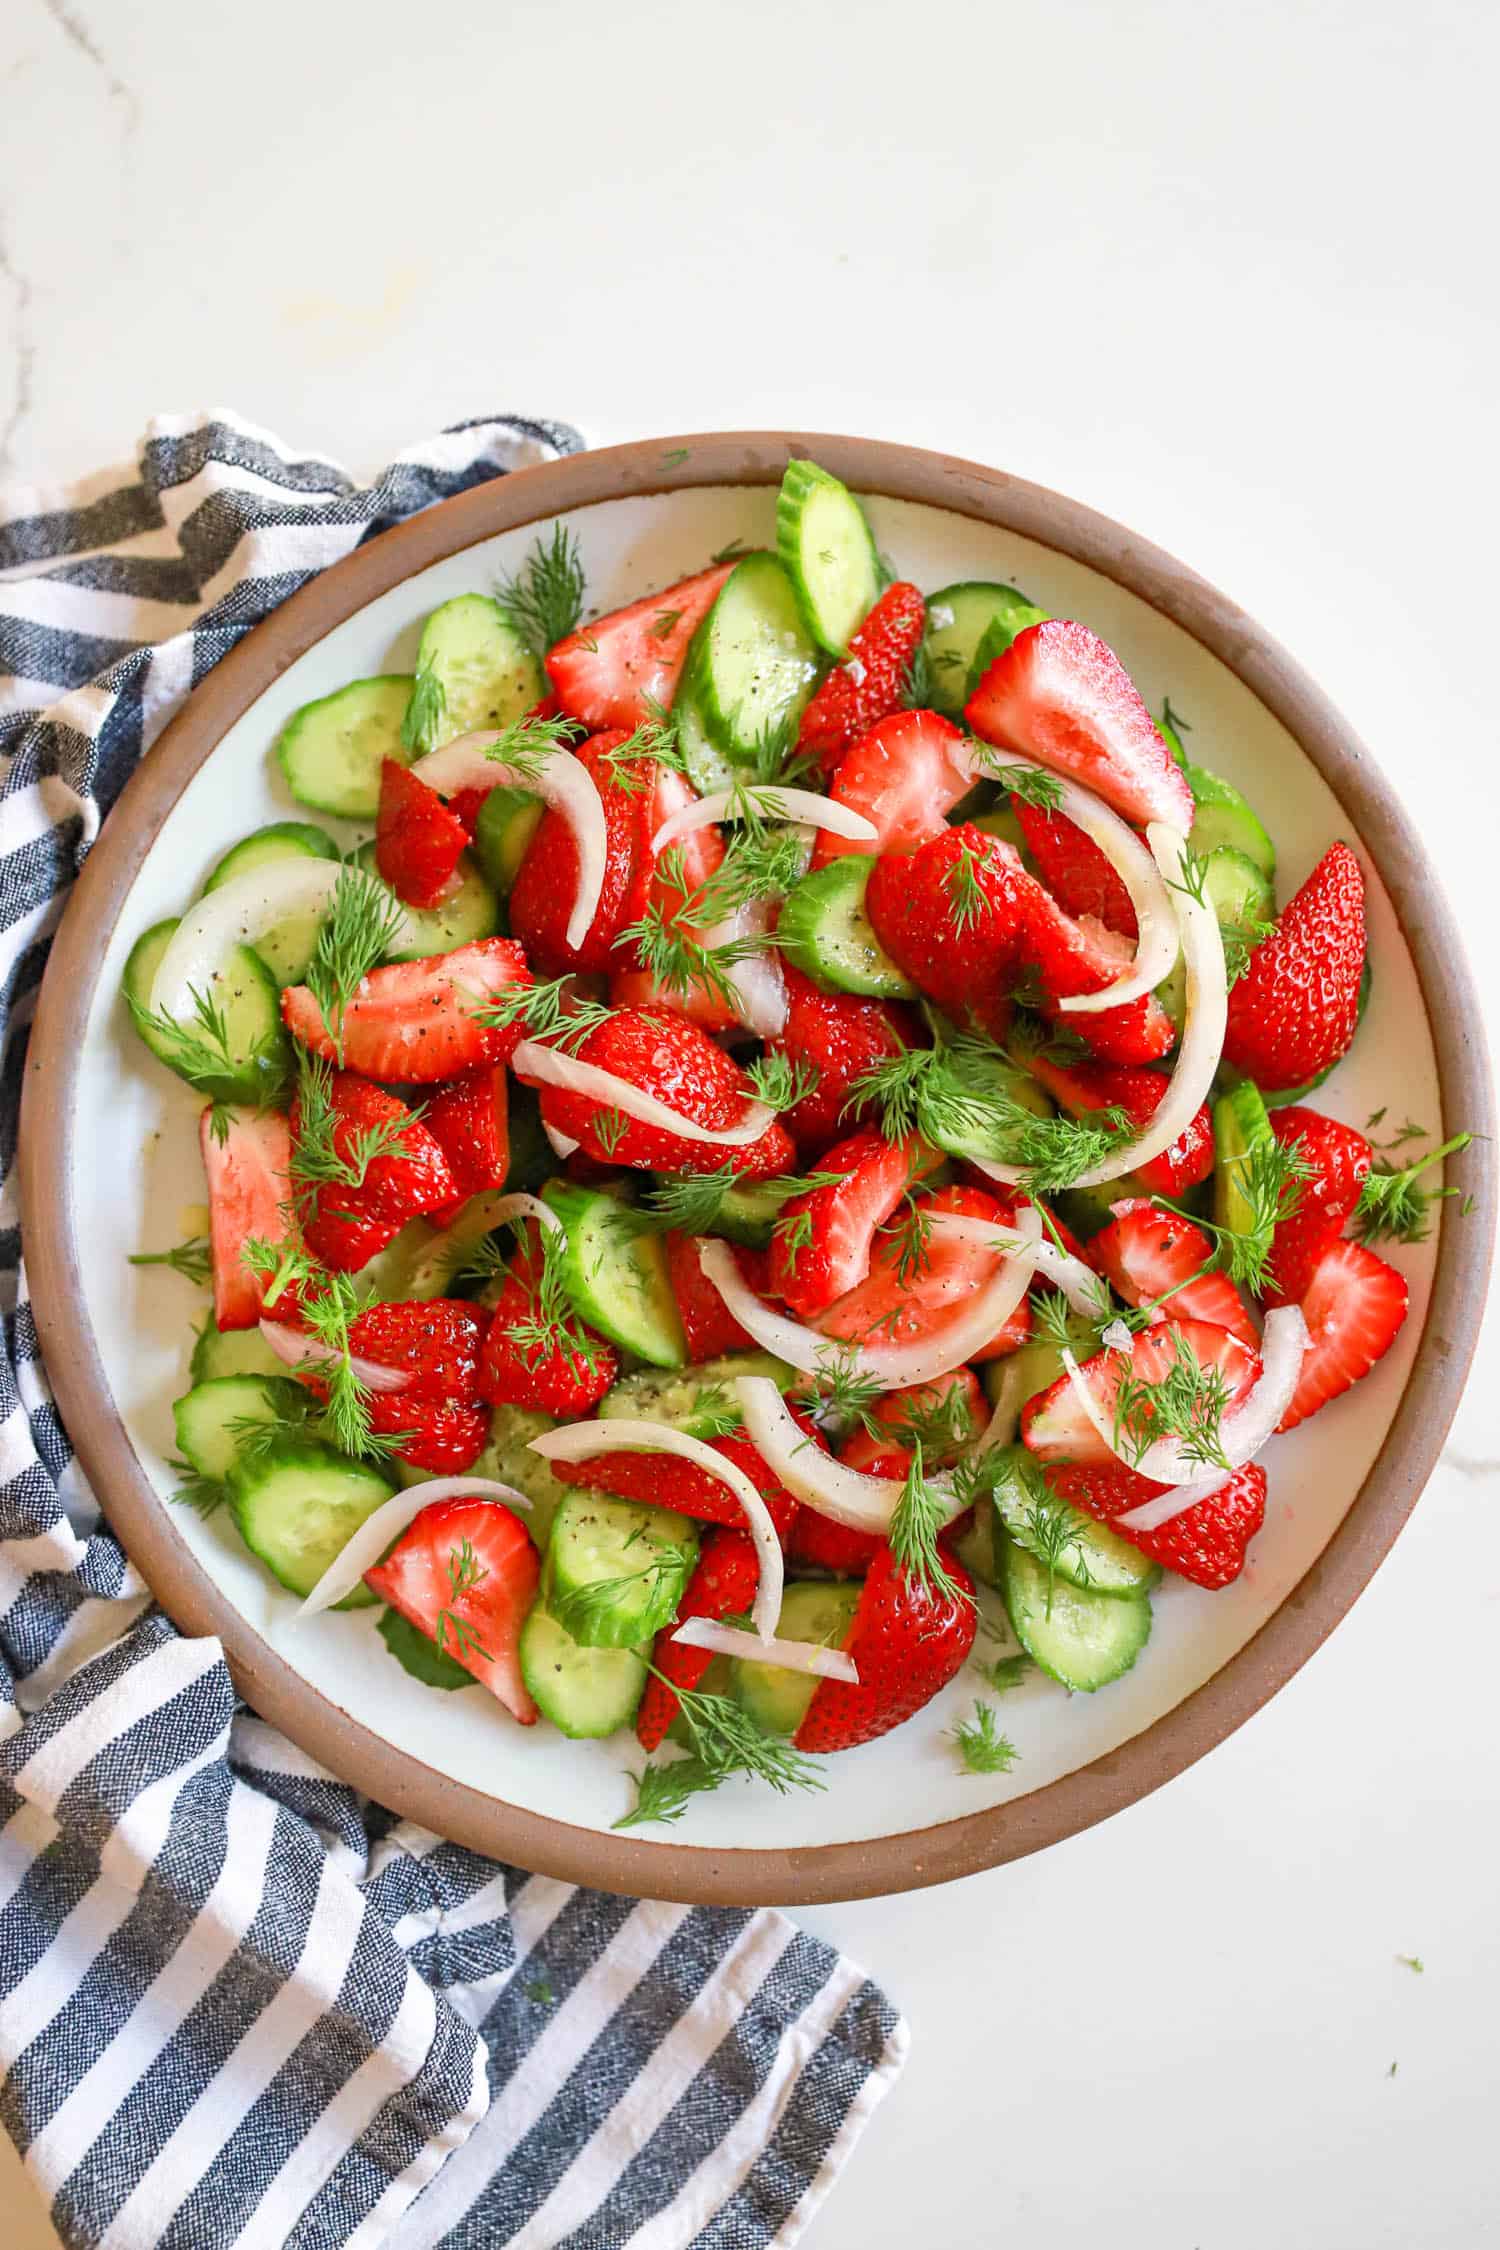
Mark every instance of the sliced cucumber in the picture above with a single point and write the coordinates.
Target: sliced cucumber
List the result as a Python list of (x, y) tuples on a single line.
[(1080, 1638), (957, 619), (616, 1274), (299, 1505), (1241, 895), (231, 1351), (1087, 1210), (756, 665), (775, 1698), (707, 767), (615, 1569), (976, 1549), (1000, 632), (1223, 817), (419, 1656), (825, 932), (508, 1457), (508, 820), (426, 1261), (472, 912), (696, 1400), (205, 1416), (487, 674), (978, 1134), (749, 1212), (286, 949), (585, 1692), (1093, 1557), (256, 1051), (331, 751), (1240, 1127), (825, 543)]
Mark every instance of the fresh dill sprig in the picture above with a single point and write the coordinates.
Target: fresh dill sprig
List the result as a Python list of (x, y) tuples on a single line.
[(583, 1608), (194, 1490), (713, 1413), (1186, 1403), (544, 600), (202, 1053), (664, 624), (916, 680), (426, 712), (781, 1083), (1240, 940), (729, 552), (725, 1740), (609, 1127), (663, 1791), (940, 1424), (965, 892), (327, 1153), (554, 1013), (981, 1746), (465, 1573), (1194, 880), (1034, 785), (329, 1304), (524, 746), (688, 1202), (1393, 1208), (655, 742), (919, 1515), (550, 1324), (1004, 1673), (1267, 1178), (840, 1392), (911, 1238), (193, 1259), (358, 931)]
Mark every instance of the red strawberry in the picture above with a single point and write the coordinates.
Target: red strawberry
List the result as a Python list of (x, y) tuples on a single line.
[(913, 1291), (418, 839), (469, 1121), (1206, 1543), (1072, 957), (1074, 869), (1138, 1093), (445, 1440), (465, 804), (1148, 1253), (346, 1245), (905, 775), (248, 1192), (437, 1341), (709, 1326), (394, 1186), (953, 917), (659, 792), (908, 1641), (539, 1371), (543, 895), (723, 1585), (470, 1560), (821, 1244), (1295, 1009), (1354, 1306), (415, 1022), (664, 1055), (1340, 1160), (950, 1409), (611, 672), (662, 1480), (1060, 696), (826, 1545), (842, 1037), (868, 685), (876, 1457), (1054, 1424)]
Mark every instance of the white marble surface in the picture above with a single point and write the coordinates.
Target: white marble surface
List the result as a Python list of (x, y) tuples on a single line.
[(1227, 274)]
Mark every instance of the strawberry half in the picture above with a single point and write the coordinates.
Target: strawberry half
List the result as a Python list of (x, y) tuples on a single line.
[(248, 1194), (544, 891), (953, 917), (1148, 1253), (905, 775), (415, 1022), (436, 1341), (826, 1545), (908, 1640), (1354, 1306), (723, 1585), (480, 1542), (1138, 1093), (870, 682), (661, 1480), (821, 1244), (1073, 957), (611, 672), (708, 1325), (540, 1372), (842, 1037), (417, 838), (1056, 1428), (411, 1178), (913, 1291), (1295, 1010), (444, 1439), (1206, 1543), (1061, 696), (1340, 1160), (469, 1121), (951, 1408), (1074, 869)]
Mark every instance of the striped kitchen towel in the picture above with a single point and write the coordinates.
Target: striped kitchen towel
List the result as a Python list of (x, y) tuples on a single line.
[(240, 2004)]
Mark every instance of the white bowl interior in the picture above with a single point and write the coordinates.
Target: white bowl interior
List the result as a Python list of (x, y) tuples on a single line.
[(137, 1178)]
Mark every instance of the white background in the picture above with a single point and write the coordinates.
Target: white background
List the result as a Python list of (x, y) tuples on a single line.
[(1226, 273)]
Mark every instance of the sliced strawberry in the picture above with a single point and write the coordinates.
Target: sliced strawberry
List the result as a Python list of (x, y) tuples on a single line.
[(660, 792), (416, 1022), (1073, 957), (1354, 1306), (822, 1240), (1074, 869), (445, 1439), (248, 1201), (418, 839), (1206, 1543), (346, 1244), (1061, 696), (908, 1641), (905, 775), (637, 988), (1054, 1424), (1296, 1008), (672, 1059), (540, 1372), (953, 917), (546, 887), (709, 1326), (723, 1585), (842, 1037), (480, 1547), (1340, 1159), (876, 1457), (469, 1121), (870, 682), (826, 1545), (412, 1177), (1138, 1093), (662, 1480), (914, 1291), (945, 1414), (611, 672), (1149, 1254), (437, 1341), (465, 804)]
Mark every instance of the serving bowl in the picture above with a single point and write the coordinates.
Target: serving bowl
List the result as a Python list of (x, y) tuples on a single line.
[(109, 1163)]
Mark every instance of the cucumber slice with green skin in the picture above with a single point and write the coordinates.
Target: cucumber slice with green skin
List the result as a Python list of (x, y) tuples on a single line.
[(231, 1351), (472, 912), (259, 1053), (585, 1692), (205, 1415), (958, 617), (825, 543), (979, 1139), (508, 820), (616, 1275), (1093, 1557), (1076, 1636), (486, 672), (1000, 632), (299, 1505), (696, 1400), (616, 1570), (749, 1212), (1224, 818), (1087, 1210), (1290, 1094), (425, 1261), (287, 949), (419, 1656), (757, 665), (1240, 1127), (825, 932), (773, 1697), (508, 1457), (1241, 895), (976, 1549), (707, 767), (330, 752)]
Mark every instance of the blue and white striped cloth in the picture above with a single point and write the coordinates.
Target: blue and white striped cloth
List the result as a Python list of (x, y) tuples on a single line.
[(240, 2004)]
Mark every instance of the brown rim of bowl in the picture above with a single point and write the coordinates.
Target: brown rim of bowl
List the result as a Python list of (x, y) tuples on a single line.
[(667, 1868)]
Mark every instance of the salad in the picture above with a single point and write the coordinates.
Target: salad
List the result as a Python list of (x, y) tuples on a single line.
[(782, 1169)]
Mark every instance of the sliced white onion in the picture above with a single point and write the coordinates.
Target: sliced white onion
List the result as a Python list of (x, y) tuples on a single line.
[(1165, 1507), (294, 1349), (1243, 1429), (847, 1496), (507, 1207), (562, 1144), (757, 985), (240, 912), (375, 1534), (539, 1065), (793, 1656), (581, 1441), (559, 779), (772, 803)]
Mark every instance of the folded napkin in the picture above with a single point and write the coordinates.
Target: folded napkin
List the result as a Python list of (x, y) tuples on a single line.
[(241, 2004)]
